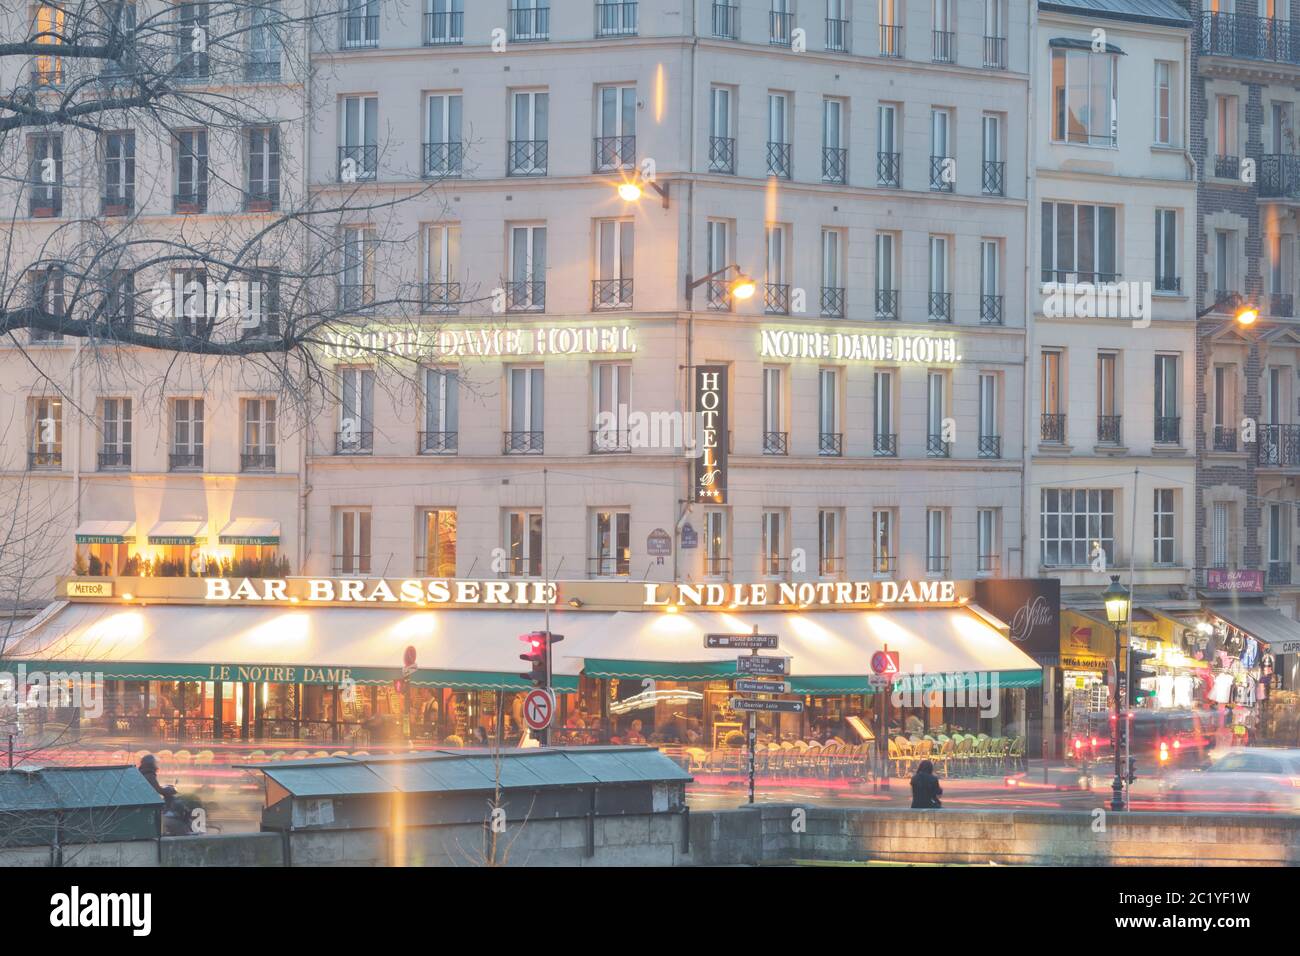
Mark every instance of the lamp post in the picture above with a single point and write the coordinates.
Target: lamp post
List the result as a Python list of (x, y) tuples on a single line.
[(741, 287), (1117, 601)]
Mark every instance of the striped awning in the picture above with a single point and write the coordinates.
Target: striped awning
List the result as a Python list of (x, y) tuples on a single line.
[(189, 532), (251, 531), (106, 532)]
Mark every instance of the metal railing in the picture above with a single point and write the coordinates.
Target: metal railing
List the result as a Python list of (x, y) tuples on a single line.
[(943, 46), (776, 299), (444, 159), (1067, 277), (726, 21), (355, 295), (438, 443), (526, 157), (776, 443), (991, 309), (835, 165), (355, 32), (833, 302), (1108, 429), (1227, 167), (354, 443), (939, 167), (887, 303), (185, 460), (1166, 283), (527, 296), (37, 460), (606, 441), (257, 461), (261, 200), (1277, 445), (884, 564), (1168, 429), (1052, 428), (936, 447), (530, 23), (719, 295), (990, 446), (837, 35), (1279, 176), (885, 445), (359, 161), (348, 565), (722, 154), (609, 566), (523, 443), (939, 307), (1279, 572), (117, 458), (779, 159), (613, 152), (995, 177), (1249, 37), (988, 563), (891, 40), (937, 564), (444, 29), (1223, 438), (830, 444), (780, 27), (189, 203), (717, 567), (888, 166), (995, 53), (523, 567), (442, 297), (828, 565), (616, 19), (607, 294), (1281, 304)]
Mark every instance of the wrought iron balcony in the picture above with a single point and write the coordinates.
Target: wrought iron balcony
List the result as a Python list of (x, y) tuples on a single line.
[(833, 302), (991, 309), (527, 157), (829, 565), (357, 32), (887, 303), (883, 564), (780, 27), (990, 446), (1227, 167), (1281, 304), (523, 443), (995, 53), (837, 35), (353, 296), (607, 294), (40, 460), (526, 296), (616, 19), (891, 40), (357, 163), (1279, 572), (719, 295), (939, 307), (1168, 429), (726, 21), (1168, 284), (943, 46), (722, 154), (257, 461), (1053, 428), (114, 459), (835, 165), (610, 565), (442, 297), (610, 441), (988, 564), (885, 445), (779, 160), (1108, 429), (354, 443), (716, 567), (613, 152), (438, 443), (530, 24), (1279, 176), (776, 443), (185, 460), (444, 29), (444, 159), (1278, 446), (1249, 37), (888, 166), (830, 444), (776, 299), (940, 173), (937, 564), (936, 447), (995, 177), (1223, 438)]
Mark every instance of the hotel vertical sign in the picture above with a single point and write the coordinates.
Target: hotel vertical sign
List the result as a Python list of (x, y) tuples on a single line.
[(711, 442)]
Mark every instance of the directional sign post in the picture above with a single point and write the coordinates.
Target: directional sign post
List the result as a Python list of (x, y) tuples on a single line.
[(767, 706), (762, 666), (743, 642), (752, 685), (884, 670), (756, 667)]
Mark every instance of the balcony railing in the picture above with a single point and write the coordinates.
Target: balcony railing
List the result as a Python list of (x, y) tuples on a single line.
[(526, 296), (828, 565), (885, 445), (726, 21), (349, 565), (438, 443), (995, 177), (833, 302), (990, 446), (354, 296), (613, 152), (891, 40), (837, 35), (722, 154), (609, 566), (185, 460), (940, 173), (45, 202), (943, 46), (1279, 176), (1168, 429), (1168, 284), (442, 297), (115, 458), (609, 441), (776, 299), (936, 447), (526, 157), (830, 444), (991, 309), (1108, 429), (778, 159), (882, 564), (988, 563), (1278, 446), (444, 29), (358, 162), (444, 159), (835, 165), (523, 443), (1223, 438), (262, 200), (780, 27), (1281, 304), (887, 303), (1066, 277), (356, 32), (716, 567), (523, 567), (607, 294), (776, 443), (188, 204), (257, 461), (1249, 37), (887, 169), (995, 53), (39, 460), (530, 23), (117, 204), (615, 19), (1279, 572), (354, 443), (1227, 167), (937, 564), (1053, 428), (939, 307)]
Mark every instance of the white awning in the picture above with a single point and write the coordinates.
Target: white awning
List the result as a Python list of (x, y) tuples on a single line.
[(106, 532), (179, 532), (251, 531)]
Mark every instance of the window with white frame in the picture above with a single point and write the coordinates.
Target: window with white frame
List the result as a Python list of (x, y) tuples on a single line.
[(263, 187), (830, 557), (1279, 538), (1167, 416), (884, 553), (444, 146), (523, 542), (835, 168), (775, 434), (942, 161), (1221, 535), (939, 307), (722, 141), (191, 170), (991, 299), (435, 536), (887, 306), (717, 245), (615, 245), (990, 439), (936, 541), (119, 172), (1167, 279), (611, 543), (259, 439), (358, 138), (832, 303), (442, 289), (526, 410), (830, 439), (936, 413), (441, 411), (1163, 521), (777, 294), (356, 429), (1075, 522), (526, 291), (1164, 103), (1079, 243), (615, 128), (611, 396), (1279, 258), (888, 145), (1225, 264), (1085, 97), (357, 273), (47, 433), (187, 433), (994, 173), (772, 558), (779, 159), (351, 541), (48, 293), (528, 147), (115, 433), (717, 544), (987, 550), (885, 436), (1226, 148)]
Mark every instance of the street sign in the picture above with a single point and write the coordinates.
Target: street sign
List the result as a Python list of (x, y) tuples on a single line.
[(766, 642), (879, 681), (690, 537), (767, 706), (884, 662), (409, 666), (539, 708), (762, 666), (750, 685)]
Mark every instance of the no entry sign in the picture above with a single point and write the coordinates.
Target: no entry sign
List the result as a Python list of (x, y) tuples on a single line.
[(539, 708)]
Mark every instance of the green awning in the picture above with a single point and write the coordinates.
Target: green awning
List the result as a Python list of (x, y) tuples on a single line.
[(251, 531), (188, 533), (105, 532)]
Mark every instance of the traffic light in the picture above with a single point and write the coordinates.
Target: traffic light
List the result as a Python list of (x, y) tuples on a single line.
[(1137, 669), (538, 656)]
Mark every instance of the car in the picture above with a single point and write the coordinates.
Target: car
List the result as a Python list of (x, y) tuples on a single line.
[(1246, 779), (1160, 739)]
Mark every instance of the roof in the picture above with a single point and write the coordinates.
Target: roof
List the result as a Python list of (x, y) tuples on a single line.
[(452, 771), (1159, 12), (74, 788), (1264, 623)]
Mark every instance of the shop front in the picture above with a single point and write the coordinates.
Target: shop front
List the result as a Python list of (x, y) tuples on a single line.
[(1248, 649)]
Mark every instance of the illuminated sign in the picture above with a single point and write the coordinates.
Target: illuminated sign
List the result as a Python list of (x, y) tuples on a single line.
[(527, 342), (90, 589), (710, 470), (895, 348), (382, 591), (805, 594)]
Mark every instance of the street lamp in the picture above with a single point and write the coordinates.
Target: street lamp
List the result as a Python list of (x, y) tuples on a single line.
[(1117, 600), (630, 190), (1244, 313), (741, 287)]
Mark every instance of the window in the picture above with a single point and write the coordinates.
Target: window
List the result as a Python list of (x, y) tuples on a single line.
[(780, 22), (263, 193), (778, 136), (441, 411), (615, 245), (991, 298), (611, 385), (616, 18), (46, 433), (942, 161), (830, 440), (1164, 104), (360, 26), (119, 304), (528, 147), (943, 42), (838, 27), (444, 151), (832, 274), (995, 34), (115, 433), (358, 138), (775, 435), (523, 543), (1225, 408), (1163, 545), (725, 15), (1079, 243), (936, 541), (1281, 131), (1225, 137), (264, 41), (526, 290), (777, 294), (1225, 264), (48, 295), (884, 559), (885, 441), (1108, 415), (888, 140), (722, 144), (436, 534), (1075, 521), (611, 546), (351, 541), (1279, 563), (772, 559), (990, 442), (829, 559), (191, 312), (357, 279), (1221, 535), (1166, 399), (1052, 382), (988, 553), (526, 410), (994, 178), (445, 22), (886, 277), (356, 411), (187, 434), (891, 27), (192, 22), (717, 235), (191, 171), (442, 291), (258, 453), (717, 547), (530, 20), (835, 155), (119, 173), (1167, 251), (45, 190), (615, 128), (936, 411), (1084, 96), (939, 306), (49, 29)]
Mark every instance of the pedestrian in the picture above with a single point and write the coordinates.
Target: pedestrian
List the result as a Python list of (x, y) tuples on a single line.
[(925, 788)]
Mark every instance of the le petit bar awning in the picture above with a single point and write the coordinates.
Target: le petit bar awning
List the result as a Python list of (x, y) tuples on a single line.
[(106, 532), (250, 531), (1267, 624), (189, 532)]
